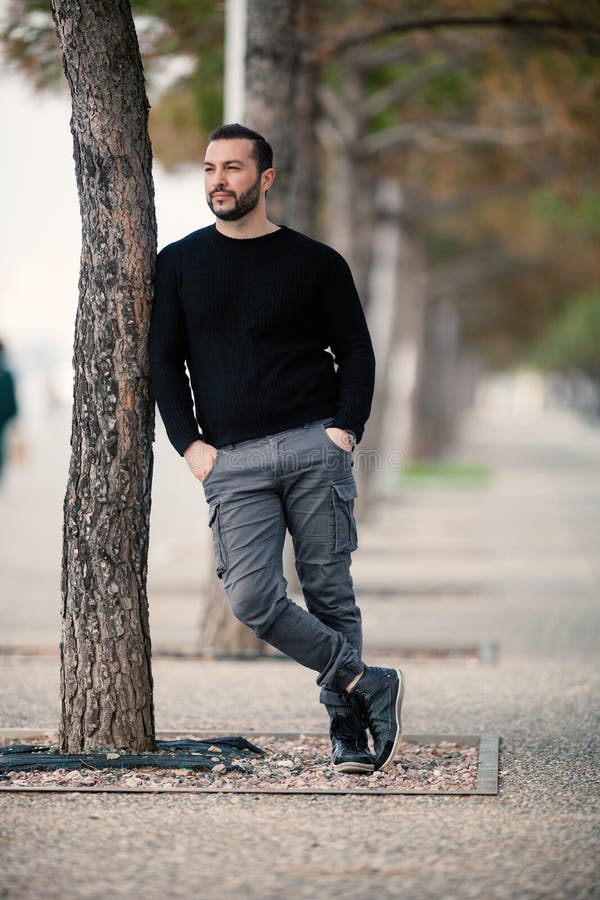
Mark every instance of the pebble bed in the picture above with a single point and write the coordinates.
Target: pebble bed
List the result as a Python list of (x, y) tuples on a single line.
[(301, 763)]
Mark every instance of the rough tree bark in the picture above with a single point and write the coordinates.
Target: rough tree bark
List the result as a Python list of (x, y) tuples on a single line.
[(106, 677)]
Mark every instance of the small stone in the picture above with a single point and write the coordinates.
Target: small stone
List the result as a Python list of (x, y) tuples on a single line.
[(219, 769), (214, 749), (132, 781)]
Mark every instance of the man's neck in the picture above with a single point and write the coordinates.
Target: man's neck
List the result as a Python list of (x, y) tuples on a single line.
[(248, 227)]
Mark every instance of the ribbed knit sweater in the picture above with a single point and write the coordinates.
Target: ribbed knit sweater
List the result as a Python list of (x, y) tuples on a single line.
[(252, 319)]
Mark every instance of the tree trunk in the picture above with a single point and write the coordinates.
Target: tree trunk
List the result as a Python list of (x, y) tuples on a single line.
[(408, 342), (307, 165), (352, 213), (272, 68), (106, 676), (350, 177), (382, 311), (220, 632), (436, 405)]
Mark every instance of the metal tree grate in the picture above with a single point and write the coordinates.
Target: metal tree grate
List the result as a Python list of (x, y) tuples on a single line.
[(176, 754)]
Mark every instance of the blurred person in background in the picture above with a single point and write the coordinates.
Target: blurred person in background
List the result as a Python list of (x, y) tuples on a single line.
[(8, 404)]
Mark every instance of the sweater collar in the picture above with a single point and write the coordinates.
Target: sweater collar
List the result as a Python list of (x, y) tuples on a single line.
[(247, 242)]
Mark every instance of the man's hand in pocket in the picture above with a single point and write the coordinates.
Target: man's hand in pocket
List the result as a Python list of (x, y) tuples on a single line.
[(200, 458), (340, 437)]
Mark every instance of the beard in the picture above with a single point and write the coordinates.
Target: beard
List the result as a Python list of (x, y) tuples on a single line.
[(244, 204)]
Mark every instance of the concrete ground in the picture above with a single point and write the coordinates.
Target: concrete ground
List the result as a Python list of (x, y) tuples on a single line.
[(515, 562)]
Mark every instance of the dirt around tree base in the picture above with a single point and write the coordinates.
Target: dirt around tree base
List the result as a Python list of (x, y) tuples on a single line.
[(289, 764)]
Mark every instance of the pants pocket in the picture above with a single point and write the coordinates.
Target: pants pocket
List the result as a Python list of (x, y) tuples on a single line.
[(332, 442), (211, 470), (214, 520), (343, 494)]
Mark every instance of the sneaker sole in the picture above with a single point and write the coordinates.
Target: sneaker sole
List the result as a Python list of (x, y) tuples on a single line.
[(390, 754), (354, 767)]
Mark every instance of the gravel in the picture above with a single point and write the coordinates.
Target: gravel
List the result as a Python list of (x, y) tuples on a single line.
[(289, 765)]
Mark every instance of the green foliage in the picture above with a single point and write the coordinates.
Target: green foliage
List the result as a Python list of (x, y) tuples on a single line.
[(443, 93), (383, 120), (573, 339), (195, 14), (446, 92), (445, 475), (388, 74), (207, 84), (582, 215), (166, 28), (332, 75), (442, 247), (29, 42)]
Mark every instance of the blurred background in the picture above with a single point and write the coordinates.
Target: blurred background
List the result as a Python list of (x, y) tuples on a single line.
[(455, 167)]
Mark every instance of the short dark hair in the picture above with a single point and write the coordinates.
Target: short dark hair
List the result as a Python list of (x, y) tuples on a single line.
[(262, 150)]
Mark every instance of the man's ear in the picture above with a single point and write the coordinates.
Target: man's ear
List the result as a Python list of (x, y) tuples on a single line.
[(267, 178)]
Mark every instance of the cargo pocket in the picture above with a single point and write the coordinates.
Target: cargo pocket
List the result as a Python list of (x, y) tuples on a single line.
[(343, 494), (214, 520)]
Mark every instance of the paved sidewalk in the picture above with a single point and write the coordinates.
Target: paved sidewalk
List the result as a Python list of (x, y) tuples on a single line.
[(515, 562)]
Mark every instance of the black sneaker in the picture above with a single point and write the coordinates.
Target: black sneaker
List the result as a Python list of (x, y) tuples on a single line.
[(349, 743), (380, 693)]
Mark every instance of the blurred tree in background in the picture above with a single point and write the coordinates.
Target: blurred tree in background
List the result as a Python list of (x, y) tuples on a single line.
[(469, 123), (573, 339)]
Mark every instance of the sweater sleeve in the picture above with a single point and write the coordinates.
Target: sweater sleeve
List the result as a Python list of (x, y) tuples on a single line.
[(350, 341), (168, 345)]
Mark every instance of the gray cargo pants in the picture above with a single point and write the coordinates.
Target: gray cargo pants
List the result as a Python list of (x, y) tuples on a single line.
[(300, 480)]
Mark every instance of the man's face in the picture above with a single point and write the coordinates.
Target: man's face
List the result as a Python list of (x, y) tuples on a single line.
[(231, 179)]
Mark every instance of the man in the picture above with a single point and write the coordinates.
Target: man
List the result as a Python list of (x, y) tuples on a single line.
[(252, 307), (8, 402)]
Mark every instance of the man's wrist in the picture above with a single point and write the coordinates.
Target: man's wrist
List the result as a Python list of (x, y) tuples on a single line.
[(198, 440)]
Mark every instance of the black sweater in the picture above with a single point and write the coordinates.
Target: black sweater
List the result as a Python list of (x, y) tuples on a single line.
[(252, 318)]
